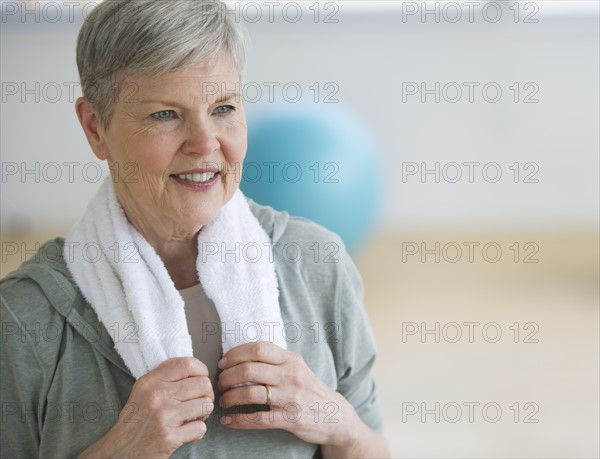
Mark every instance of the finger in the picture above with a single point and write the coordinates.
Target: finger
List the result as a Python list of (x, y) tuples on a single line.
[(246, 395), (199, 408), (191, 431), (193, 387), (248, 372), (179, 368), (260, 351)]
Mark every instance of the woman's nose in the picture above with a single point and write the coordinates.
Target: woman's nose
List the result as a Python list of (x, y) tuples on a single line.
[(201, 139)]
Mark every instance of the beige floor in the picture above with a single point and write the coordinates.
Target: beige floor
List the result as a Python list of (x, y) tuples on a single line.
[(558, 375), (554, 381)]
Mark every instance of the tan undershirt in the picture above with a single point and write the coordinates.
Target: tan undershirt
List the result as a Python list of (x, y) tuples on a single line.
[(204, 326)]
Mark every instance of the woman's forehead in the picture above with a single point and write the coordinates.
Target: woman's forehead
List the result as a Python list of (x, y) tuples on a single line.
[(210, 77)]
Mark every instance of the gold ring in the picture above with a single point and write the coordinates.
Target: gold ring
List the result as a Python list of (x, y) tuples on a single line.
[(268, 394)]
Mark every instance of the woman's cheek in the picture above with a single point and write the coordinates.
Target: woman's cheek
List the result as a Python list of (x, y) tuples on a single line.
[(150, 190), (241, 145), (156, 153)]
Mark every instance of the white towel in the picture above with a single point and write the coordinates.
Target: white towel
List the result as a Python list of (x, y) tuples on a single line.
[(123, 278)]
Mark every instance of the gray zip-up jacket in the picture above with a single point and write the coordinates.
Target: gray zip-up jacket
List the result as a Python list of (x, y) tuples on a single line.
[(64, 384)]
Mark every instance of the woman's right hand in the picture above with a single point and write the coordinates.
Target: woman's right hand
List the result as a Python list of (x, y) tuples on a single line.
[(167, 407)]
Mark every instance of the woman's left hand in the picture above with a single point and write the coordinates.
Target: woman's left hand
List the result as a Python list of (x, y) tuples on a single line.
[(300, 402)]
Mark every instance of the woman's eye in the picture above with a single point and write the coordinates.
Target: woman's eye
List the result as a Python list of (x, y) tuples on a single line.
[(164, 115), (224, 109)]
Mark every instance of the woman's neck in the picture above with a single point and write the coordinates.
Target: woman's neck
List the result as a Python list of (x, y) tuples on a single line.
[(180, 258), (178, 249)]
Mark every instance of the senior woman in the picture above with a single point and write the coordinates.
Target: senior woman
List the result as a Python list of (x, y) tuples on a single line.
[(128, 361)]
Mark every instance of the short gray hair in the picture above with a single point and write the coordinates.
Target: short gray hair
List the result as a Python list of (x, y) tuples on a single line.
[(152, 37)]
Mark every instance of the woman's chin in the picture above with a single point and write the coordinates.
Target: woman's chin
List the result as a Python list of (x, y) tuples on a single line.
[(193, 222)]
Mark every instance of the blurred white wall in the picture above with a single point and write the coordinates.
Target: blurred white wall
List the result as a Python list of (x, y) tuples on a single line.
[(372, 57)]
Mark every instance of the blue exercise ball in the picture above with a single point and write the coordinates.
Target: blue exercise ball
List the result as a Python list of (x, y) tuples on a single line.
[(318, 163)]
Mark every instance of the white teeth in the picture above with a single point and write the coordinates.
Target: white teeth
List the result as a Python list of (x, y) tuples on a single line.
[(199, 178)]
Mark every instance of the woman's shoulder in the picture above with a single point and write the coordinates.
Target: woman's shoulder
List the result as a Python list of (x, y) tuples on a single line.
[(40, 290), (306, 252), (284, 228)]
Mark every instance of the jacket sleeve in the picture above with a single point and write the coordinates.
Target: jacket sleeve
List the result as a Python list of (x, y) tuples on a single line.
[(358, 349), (27, 323)]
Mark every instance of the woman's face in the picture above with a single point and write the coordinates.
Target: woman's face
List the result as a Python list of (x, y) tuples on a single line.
[(175, 145)]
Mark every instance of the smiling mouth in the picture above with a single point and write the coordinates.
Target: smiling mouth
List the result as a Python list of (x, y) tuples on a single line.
[(196, 178)]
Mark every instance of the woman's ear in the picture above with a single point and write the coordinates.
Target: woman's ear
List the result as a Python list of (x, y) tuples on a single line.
[(92, 127)]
